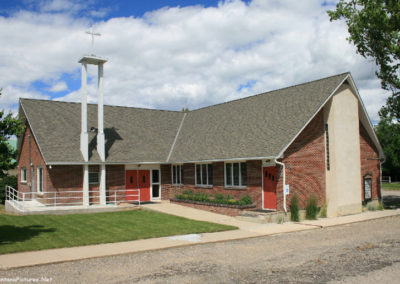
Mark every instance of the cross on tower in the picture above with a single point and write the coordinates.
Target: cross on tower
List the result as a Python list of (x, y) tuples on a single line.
[(92, 33)]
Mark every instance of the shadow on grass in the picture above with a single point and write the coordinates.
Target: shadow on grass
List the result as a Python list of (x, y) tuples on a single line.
[(12, 234), (391, 201)]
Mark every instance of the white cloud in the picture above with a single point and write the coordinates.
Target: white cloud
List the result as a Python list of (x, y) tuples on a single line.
[(185, 57), (58, 87)]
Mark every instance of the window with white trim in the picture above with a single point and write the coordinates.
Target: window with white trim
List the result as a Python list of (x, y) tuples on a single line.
[(40, 179), (204, 174), (23, 174), (177, 174), (236, 174), (93, 177)]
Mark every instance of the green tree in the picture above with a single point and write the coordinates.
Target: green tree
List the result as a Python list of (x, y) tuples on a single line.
[(388, 133), (9, 126), (374, 28)]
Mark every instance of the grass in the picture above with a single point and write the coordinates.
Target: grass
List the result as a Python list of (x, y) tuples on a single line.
[(38, 232), (391, 186)]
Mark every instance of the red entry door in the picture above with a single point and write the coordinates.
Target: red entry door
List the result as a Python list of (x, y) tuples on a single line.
[(137, 180), (269, 190)]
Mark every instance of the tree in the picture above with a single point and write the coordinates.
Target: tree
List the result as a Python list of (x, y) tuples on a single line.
[(9, 126), (388, 134), (374, 28)]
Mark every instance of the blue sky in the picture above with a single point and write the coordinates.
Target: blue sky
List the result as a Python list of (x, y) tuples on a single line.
[(114, 8), (174, 54)]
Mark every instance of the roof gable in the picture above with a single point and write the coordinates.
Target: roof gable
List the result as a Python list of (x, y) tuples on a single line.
[(254, 127)]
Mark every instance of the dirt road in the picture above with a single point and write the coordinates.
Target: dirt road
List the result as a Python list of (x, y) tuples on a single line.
[(367, 252)]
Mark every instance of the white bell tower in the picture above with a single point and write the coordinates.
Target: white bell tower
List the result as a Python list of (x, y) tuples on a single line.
[(99, 62)]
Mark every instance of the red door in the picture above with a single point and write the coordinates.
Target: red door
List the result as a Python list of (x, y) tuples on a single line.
[(137, 180), (269, 190), (144, 185)]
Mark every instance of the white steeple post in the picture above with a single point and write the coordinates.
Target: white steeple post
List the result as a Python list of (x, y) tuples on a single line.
[(94, 60), (84, 133), (103, 184), (100, 115), (86, 185)]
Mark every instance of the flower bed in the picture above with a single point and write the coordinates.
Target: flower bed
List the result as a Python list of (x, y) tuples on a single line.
[(246, 206), (218, 199)]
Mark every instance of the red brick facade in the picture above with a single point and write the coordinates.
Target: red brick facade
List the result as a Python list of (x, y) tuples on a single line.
[(30, 158), (370, 164), (60, 180), (253, 182), (304, 161), (305, 165)]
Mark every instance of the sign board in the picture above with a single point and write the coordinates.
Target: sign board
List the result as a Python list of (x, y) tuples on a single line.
[(287, 189), (367, 188)]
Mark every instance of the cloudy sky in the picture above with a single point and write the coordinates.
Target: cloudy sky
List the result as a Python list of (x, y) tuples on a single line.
[(173, 54)]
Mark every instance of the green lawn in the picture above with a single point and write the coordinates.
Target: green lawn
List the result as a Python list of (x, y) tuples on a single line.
[(391, 186), (38, 232)]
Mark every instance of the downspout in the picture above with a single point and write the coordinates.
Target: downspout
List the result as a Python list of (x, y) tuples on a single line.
[(284, 182), (380, 180), (30, 163)]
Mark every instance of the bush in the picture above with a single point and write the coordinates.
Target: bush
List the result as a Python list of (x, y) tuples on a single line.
[(323, 211), (312, 208), (219, 198), (245, 200), (7, 180), (294, 208)]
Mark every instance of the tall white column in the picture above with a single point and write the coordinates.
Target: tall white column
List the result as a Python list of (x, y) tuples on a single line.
[(103, 184), (100, 115), (84, 133), (85, 185)]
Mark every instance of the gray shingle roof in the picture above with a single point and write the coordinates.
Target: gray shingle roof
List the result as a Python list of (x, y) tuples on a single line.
[(132, 134), (256, 126)]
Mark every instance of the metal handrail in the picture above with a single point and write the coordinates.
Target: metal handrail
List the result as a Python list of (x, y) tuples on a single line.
[(58, 198)]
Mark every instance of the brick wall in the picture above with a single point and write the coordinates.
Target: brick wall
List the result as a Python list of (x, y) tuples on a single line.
[(62, 178), (369, 163), (305, 165), (115, 183), (29, 145), (253, 182)]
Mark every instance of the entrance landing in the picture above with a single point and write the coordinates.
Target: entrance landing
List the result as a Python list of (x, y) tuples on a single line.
[(34, 207)]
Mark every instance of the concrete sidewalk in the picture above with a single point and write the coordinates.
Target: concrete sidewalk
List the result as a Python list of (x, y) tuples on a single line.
[(246, 230)]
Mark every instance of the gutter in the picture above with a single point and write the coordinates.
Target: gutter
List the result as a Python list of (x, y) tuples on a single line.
[(380, 179), (284, 183)]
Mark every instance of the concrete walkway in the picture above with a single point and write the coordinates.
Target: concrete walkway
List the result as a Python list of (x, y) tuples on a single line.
[(246, 230)]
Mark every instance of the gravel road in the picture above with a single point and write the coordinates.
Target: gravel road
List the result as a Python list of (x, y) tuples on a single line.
[(367, 252)]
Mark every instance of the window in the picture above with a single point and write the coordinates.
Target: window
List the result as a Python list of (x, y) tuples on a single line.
[(93, 177), (177, 174), (328, 162), (236, 174), (204, 174), (40, 179), (23, 174)]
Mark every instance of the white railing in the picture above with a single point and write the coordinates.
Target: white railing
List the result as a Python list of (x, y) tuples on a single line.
[(387, 179), (24, 200)]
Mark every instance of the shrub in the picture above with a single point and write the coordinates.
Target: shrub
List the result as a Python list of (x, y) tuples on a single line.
[(373, 206), (7, 180), (219, 198), (245, 200), (294, 208), (312, 208), (323, 211)]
